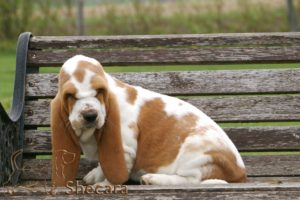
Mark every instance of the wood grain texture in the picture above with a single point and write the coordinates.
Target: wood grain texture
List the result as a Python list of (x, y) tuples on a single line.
[(262, 180), (245, 139), (188, 83), (198, 40), (230, 191), (221, 109), (267, 165), (170, 56)]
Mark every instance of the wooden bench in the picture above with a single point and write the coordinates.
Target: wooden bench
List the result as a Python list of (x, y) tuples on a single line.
[(258, 108)]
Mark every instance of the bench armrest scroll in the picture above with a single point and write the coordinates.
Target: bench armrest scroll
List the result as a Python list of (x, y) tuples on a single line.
[(12, 124)]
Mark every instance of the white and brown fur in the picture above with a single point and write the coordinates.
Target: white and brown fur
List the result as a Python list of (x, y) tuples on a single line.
[(136, 134)]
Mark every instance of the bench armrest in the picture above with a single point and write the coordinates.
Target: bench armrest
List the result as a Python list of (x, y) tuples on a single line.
[(11, 124)]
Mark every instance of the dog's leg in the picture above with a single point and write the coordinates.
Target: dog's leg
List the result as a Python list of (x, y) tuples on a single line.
[(94, 176), (166, 179)]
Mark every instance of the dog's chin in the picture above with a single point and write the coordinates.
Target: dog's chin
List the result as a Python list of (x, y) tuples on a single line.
[(89, 126), (85, 130)]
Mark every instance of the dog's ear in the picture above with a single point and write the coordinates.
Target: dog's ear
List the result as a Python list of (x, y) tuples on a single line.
[(65, 146), (110, 149)]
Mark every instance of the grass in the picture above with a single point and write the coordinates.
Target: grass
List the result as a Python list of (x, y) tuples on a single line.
[(271, 153), (7, 72), (55, 17)]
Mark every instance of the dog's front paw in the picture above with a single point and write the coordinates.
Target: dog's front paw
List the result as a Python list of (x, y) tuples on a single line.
[(150, 179), (103, 183), (94, 176)]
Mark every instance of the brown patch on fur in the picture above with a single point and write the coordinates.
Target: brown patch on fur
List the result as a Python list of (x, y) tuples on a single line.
[(131, 91), (82, 66), (97, 69), (63, 140), (110, 149), (79, 74), (63, 77), (99, 83), (160, 136), (67, 96), (224, 166), (131, 95)]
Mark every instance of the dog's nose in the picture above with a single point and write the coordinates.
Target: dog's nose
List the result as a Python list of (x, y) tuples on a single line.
[(90, 116)]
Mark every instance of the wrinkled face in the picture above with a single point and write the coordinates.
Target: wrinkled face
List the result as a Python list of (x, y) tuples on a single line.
[(84, 92)]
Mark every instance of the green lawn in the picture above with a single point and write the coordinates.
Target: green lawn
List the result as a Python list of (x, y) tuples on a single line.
[(7, 73)]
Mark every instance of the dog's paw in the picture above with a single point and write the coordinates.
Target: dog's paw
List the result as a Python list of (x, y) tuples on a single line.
[(103, 183), (94, 176), (153, 179), (167, 179), (146, 179)]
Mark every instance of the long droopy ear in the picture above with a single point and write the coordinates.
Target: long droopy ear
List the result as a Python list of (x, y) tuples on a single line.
[(65, 146), (110, 149)]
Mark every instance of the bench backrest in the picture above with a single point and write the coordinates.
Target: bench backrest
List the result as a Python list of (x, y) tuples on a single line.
[(258, 108)]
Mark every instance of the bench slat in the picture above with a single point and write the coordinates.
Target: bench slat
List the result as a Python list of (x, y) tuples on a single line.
[(267, 165), (248, 191), (246, 139), (170, 56), (258, 181), (188, 83), (221, 109), (198, 40)]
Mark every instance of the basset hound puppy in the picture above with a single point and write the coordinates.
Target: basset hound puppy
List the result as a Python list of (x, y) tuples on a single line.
[(134, 133)]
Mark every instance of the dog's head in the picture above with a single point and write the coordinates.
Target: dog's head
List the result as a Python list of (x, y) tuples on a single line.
[(86, 103), (83, 90)]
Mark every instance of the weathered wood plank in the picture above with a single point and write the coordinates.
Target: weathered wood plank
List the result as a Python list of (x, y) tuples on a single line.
[(275, 180), (260, 165), (245, 139), (221, 109), (188, 83), (170, 56), (198, 40), (228, 191)]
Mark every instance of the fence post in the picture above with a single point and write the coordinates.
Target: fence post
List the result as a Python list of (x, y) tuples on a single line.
[(80, 17), (292, 16)]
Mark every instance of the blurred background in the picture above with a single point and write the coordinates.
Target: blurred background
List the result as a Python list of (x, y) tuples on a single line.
[(127, 17)]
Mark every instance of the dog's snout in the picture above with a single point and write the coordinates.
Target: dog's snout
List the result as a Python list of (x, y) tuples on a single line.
[(90, 115)]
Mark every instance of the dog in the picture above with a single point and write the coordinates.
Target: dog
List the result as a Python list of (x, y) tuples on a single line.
[(134, 133)]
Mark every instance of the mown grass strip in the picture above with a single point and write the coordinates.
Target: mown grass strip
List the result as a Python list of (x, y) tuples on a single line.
[(259, 124), (270, 153)]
